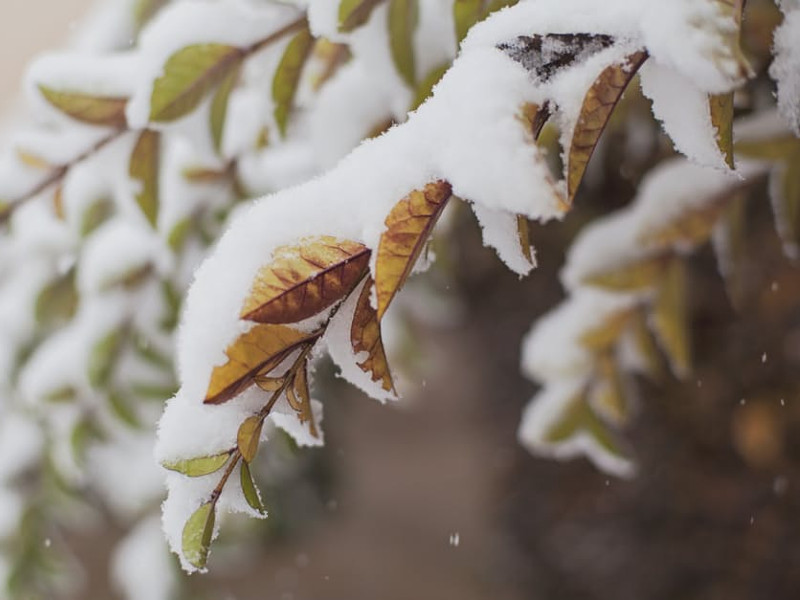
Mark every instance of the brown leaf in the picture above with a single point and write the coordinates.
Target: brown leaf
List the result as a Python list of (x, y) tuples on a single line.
[(259, 350), (299, 399), (305, 279), (365, 336), (407, 229), (598, 104), (524, 237)]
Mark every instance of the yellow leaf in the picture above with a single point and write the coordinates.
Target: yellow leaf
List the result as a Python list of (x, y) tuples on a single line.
[(778, 148), (305, 279), (729, 245), (219, 107), (646, 346), (198, 467), (721, 108), (58, 203), (249, 489), (670, 318), (691, 228), (190, 74), (354, 13), (299, 399), (604, 337), (607, 394), (197, 534), (249, 436), (634, 276), (108, 111), (259, 350), (403, 20), (29, 159), (270, 384), (408, 226), (144, 167), (365, 336), (578, 418), (287, 75), (598, 104)]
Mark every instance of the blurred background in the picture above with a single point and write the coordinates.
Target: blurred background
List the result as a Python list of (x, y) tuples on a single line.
[(435, 499)]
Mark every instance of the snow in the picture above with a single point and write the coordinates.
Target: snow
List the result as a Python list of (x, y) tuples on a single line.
[(142, 566), (786, 67)]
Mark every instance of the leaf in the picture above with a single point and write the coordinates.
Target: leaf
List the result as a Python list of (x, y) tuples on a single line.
[(607, 394), (249, 436), (354, 13), (95, 215), (219, 107), (144, 167), (198, 467), (121, 409), (546, 55), (107, 111), (784, 191), (578, 418), (495, 5), (646, 346), (630, 277), (34, 161), (103, 357), (425, 88), (365, 336), (465, 14), (58, 203), (524, 237), (197, 534), (304, 279), (669, 318), (598, 104), (249, 489), (270, 384), (692, 228), (782, 147), (408, 226), (144, 10), (603, 338), (261, 349), (403, 20), (299, 399), (58, 300), (721, 109), (287, 75), (189, 75), (729, 245)]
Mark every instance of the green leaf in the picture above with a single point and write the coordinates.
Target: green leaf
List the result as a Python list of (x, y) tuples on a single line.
[(197, 534), (495, 5), (249, 436), (106, 111), (102, 358), (58, 300), (144, 167), (219, 107), (425, 88), (287, 75), (144, 10), (198, 467), (465, 14), (250, 490), (670, 318), (721, 108), (354, 13), (403, 20), (95, 215), (578, 418), (121, 408), (189, 75)]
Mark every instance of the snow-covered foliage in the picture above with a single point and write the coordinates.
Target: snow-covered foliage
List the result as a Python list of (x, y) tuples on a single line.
[(360, 120)]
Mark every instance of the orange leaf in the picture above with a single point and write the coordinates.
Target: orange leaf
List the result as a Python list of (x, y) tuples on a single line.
[(407, 229), (305, 279), (249, 436), (365, 336), (299, 399), (598, 104), (256, 352)]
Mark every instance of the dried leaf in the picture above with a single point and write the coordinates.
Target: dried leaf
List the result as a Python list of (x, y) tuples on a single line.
[(408, 226), (189, 75), (197, 534), (249, 489), (670, 318), (403, 20), (305, 279), (105, 111), (249, 437), (287, 75), (546, 55), (598, 104), (219, 107), (270, 384), (198, 467), (524, 237), (631, 277), (58, 203), (354, 13), (425, 88), (365, 336), (721, 109), (259, 350), (144, 166), (299, 398)]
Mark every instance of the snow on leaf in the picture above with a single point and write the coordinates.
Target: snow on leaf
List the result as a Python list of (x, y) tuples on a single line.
[(94, 110), (260, 349), (197, 534), (287, 75), (57, 301), (721, 107), (189, 75), (403, 20), (249, 436), (544, 56), (304, 279), (200, 466), (299, 398), (602, 338), (691, 228), (354, 13), (365, 336), (524, 237), (103, 357), (598, 104), (219, 107), (144, 166), (249, 489), (407, 229), (639, 275), (669, 318)]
